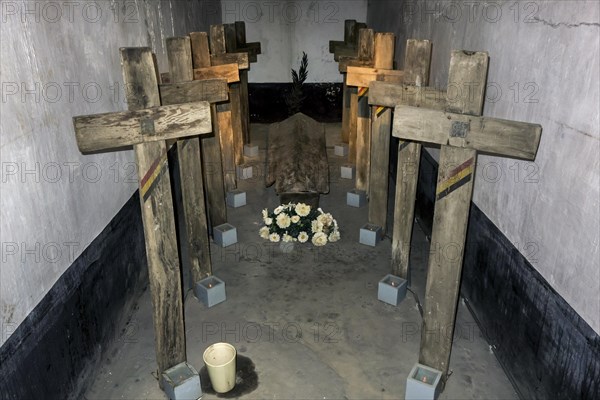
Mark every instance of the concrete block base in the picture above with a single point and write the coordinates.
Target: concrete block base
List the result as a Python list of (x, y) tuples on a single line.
[(210, 291), (392, 289), (236, 198), (370, 235), (341, 150), (225, 235), (181, 382), (244, 171), (356, 198), (251, 150), (423, 382), (347, 171)]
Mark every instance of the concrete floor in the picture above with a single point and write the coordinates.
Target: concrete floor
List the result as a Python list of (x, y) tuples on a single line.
[(307, 324)]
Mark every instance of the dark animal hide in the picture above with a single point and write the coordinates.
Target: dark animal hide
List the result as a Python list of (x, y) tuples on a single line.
[(297, 160)]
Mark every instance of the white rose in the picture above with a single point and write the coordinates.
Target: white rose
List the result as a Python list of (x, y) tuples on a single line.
[(325, 219), (316, 226), (273, 237), (264, 232), (265, 213), (278, 210), (302, 209), (283, 220), (334, 236), (303, 237), (268, 221), (295, 219), (320, 239)]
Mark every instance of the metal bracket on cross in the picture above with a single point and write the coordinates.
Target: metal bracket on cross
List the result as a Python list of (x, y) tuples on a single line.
[(147, 125), (457, 125)]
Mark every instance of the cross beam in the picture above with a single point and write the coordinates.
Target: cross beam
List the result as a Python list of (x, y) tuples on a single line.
[(143, 99), (462, 133)]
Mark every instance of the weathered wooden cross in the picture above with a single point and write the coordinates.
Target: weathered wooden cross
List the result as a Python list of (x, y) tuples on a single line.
[(462, 132), (347, 48), (235, 42), (383, 62), (147, 126), (184, 89), (217, 150), (416, 72)]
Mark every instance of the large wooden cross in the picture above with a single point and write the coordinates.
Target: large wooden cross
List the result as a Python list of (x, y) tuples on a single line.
[(147, 126), (347, 48), (417, 61), (235, 42), (184, 89), (365, 56), (462, 132)]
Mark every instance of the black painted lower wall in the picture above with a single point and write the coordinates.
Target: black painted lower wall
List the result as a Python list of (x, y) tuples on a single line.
[(267, 101), (547, 350), (54, 351)]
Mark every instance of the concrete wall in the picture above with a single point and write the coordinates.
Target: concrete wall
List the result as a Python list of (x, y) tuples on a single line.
[(58, 60), (287, 28), (544, 68)]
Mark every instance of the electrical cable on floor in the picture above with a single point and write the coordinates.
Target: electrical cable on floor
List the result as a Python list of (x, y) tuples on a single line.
[(416, 296)]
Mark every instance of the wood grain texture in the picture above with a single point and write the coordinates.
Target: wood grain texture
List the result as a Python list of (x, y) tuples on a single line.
[(126, 128), (383, 58), (227, 139), (241, 59), (199, 42), (363, 76), (217, 40), (490, 135), (158, 218), (391, 94), (211, 91), (179, 53), (352, 125), (226, 71), (417, 61), (465, 91), (451, 214), (211, 147), (345, 111)]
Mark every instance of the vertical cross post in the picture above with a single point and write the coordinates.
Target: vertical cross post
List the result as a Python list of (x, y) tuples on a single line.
[(211, 145), (179, 53), (139, 75), (468, 71)]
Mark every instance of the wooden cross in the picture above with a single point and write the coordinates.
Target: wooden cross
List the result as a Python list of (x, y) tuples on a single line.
[(184, 89), (235, 41), (365, 56), (462, 132), (383, 62), (416, 72), (217, 150), (147, 126), (220, 56), (347, 48)]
